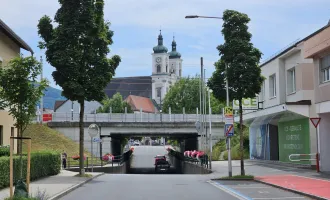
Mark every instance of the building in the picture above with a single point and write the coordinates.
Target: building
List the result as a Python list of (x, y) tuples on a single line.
[(68, 106), (166, 69), (10, 47), (317, 47), (138, 104), (283, 127)]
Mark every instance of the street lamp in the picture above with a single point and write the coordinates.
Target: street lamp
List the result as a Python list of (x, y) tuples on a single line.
[(227, 95), (210, 124)]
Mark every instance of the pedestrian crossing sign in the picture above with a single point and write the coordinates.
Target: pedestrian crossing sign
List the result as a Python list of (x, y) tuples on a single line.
[(228, 110)]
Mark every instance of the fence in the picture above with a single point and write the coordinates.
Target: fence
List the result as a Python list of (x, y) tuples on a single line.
[(132, 117)]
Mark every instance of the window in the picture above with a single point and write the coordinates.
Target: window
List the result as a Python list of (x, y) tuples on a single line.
[(262, 92), (180, 72), (325, 69), (12, 131), (272, 86), (166, 68), (291, 80), (159, 91), (1, 135), (158, 69)]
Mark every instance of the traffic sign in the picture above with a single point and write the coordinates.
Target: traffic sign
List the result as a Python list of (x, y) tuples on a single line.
[(229, 119), (97, 139), (229, 130), (228, 110), (315, 121)]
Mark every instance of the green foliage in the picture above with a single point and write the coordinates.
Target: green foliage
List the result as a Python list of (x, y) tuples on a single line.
[(22, 198), (185, 94), (42, 164), (4, 151), (116, 103), (220, 147), (19, 94), (242, 59), (77, 48), (238, 177)]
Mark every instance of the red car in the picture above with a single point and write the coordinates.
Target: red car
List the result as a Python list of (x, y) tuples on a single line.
[(159, 157)]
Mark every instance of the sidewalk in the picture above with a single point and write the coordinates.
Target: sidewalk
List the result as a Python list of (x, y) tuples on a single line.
[(312, 187), (54, 185), (303, 181)]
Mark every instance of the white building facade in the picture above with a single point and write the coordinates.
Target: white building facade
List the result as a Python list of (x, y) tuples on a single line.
[(282, 126)]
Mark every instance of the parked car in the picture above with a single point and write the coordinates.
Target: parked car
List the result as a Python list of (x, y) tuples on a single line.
[(161, 164)]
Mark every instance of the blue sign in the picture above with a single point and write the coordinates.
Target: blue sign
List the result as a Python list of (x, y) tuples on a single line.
[(229, 130), (97, 140)]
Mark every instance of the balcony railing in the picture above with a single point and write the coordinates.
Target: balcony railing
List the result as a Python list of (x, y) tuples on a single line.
[(132, 117)]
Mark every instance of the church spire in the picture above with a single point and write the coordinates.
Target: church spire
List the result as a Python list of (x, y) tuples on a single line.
[(173, 43), (160, 38)]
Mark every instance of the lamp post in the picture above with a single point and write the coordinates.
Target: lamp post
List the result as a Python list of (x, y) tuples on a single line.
[(227, 95), (210, 125)]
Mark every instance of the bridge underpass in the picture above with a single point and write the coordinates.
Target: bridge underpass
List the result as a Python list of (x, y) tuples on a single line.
[(112, 133)]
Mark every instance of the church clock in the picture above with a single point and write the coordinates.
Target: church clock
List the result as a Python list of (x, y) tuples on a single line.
[(158, 59)]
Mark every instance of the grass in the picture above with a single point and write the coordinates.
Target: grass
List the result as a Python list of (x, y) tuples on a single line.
[(85, 175), (238, 177), (45, 138)]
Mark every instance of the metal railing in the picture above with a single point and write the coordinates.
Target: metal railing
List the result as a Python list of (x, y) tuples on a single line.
[(131, 117), (203, 161), (304, 159)]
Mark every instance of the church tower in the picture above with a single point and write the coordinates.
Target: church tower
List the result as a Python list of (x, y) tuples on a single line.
[(166, 69)]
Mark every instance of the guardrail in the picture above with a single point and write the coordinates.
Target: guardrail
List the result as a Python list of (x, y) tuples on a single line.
[(298, 155), (309, 159), (131, 117)]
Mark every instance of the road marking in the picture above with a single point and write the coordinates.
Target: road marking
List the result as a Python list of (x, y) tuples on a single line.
[(312, 178), (229, 191), (281, 198), (241, 187)]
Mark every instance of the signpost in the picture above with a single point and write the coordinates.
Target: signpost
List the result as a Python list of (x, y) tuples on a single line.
[(316, 121), (247, 104), (93, 130), (229, 131)]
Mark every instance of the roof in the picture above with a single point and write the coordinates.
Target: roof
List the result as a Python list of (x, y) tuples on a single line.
[(138, 86), (294, 45), (58, 104), (12, 35), (137, 102)]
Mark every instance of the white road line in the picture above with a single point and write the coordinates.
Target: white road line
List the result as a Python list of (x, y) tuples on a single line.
[(240, 187), (229, 191), (281, 198), (313, 178)]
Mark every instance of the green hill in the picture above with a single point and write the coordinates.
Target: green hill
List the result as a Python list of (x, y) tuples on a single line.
[(45, 138)]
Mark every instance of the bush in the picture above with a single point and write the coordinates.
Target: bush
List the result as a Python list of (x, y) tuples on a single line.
[(4, 151), (42, 164), (235, 153)]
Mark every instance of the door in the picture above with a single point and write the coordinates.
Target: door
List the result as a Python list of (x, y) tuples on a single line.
[(273, 142)]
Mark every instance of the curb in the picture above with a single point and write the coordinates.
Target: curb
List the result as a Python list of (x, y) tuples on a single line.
[(292, 190), (232, 179), (72, 188)]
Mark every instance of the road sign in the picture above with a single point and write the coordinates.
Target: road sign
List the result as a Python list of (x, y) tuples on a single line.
[(315, 121), (229, 119), (228, 110), (229, 130), (97, 139)]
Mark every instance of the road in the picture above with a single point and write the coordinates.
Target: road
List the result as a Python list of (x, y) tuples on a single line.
[(176, 186), (148, 187)]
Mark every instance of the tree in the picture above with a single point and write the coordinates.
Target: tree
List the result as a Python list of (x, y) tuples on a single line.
[(116, 103), (185, 94), (242, 59), (19, 93), (78, 49)]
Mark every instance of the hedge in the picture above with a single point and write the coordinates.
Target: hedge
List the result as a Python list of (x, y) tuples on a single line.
[(43, 164), (4, 151)]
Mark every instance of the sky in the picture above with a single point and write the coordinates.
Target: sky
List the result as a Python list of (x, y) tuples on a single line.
[(274, 24)]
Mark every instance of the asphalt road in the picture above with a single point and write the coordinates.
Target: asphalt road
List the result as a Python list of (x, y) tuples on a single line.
[(148, 187)]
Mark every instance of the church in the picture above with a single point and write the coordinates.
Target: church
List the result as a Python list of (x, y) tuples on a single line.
[(141, 92), (166, 70)]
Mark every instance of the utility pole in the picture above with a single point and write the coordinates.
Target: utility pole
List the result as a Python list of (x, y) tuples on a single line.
[(42, 97), (201, 105), (204, 100), (229, 148)]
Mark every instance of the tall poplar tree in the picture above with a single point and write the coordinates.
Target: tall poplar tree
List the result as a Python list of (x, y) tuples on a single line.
[(78, 47), (242, 61)]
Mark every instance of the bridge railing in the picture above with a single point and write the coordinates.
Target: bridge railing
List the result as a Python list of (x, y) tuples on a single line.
[(132, 117)]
